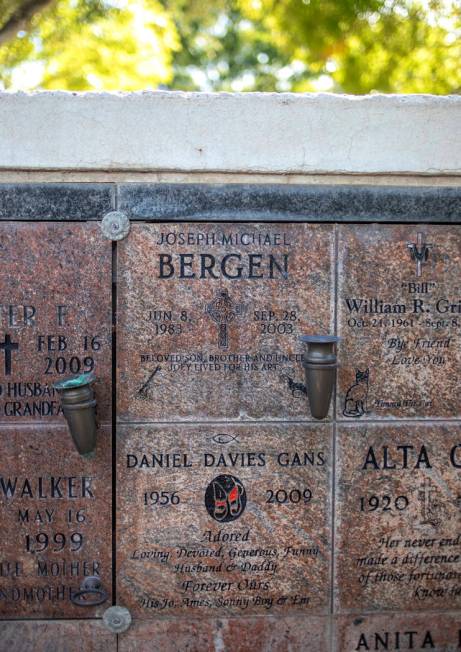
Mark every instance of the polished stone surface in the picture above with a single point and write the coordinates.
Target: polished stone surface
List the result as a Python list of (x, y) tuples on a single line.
[(55, 316), (400, 322), (55, 510), (234, 201), (56, 636), (220, 521), (266, 634), (300, 203), (209, 319), (55, 201), (398, 517), (402, 631)]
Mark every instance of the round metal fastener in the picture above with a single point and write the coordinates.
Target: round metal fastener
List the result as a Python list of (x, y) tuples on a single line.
[(117, 619), (115, 225)]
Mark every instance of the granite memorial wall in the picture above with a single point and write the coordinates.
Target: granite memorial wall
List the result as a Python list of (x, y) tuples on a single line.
[(216, 509)]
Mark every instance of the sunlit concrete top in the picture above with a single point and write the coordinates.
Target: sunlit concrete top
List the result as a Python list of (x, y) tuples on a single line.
[(254, 132)]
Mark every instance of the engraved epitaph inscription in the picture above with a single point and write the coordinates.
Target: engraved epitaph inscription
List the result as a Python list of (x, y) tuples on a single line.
[(56, 521), (210, 316), (229, 515), (55, 321), (55, 316), (214, 522), (398, 517), (400, 321)]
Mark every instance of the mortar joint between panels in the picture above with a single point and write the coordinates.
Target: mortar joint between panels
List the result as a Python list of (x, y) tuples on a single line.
[(391, 421), (116, 196), (332, 422), (227, 422), (48, 424)]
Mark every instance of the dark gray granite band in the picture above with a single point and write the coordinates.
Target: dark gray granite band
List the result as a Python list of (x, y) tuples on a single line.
[(56, 201), (247, 202), (234, 202)]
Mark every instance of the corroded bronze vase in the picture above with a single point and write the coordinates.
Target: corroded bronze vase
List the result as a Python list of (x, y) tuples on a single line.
[(78, 405)]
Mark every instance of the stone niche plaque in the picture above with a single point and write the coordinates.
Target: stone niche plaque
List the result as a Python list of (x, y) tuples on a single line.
[(223, 521), (55, 510), (398, 517), (210, 315), (55, 316), (439, 632), (268, 634), (56, 636), (399, 316)]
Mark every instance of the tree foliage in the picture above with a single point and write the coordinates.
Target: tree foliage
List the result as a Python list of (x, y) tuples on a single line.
[(400, 46), (354, 46), (91, 44)]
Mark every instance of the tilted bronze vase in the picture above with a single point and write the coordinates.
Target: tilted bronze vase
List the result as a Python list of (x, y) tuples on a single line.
[(78, 405), (320, 364)]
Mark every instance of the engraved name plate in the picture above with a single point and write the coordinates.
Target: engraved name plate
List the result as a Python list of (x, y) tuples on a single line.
[(224, 521), (399, 316), (55, 316), (210, 315), (56, 521), (398, 516)]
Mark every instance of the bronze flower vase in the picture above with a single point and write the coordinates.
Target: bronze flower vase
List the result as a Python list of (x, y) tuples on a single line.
[(320, 364), (78, 405)]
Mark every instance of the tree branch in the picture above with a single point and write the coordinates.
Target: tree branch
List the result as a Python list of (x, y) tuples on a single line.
[(21, 17)]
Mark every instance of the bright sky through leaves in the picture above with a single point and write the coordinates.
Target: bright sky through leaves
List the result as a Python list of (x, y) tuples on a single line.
[(353, 46)]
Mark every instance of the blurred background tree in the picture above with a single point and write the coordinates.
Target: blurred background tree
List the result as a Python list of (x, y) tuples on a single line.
[(354, 46)]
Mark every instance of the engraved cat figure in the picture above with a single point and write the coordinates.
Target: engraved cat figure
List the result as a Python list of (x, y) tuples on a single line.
[(297, 389), (355, 404)]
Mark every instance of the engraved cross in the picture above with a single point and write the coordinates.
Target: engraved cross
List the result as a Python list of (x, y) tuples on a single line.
[(426, 496), (223, 311), (419, 252), (8, 346)]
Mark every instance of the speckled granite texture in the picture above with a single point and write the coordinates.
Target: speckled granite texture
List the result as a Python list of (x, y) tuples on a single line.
[(210, 330), (55, 316), (56, 521), (270, 202), (400, 631), (57, 636), (229, 534), (55, 201), (244, 520), (268, 634), (398, 514), (232, 201), (400, 351)]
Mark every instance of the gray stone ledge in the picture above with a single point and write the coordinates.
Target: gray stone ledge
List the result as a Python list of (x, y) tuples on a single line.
[(247, 202), (56, 201), (231, 202), (283, 133)]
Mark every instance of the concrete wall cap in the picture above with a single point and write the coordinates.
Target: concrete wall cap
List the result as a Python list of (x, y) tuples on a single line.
[(282, 133)]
